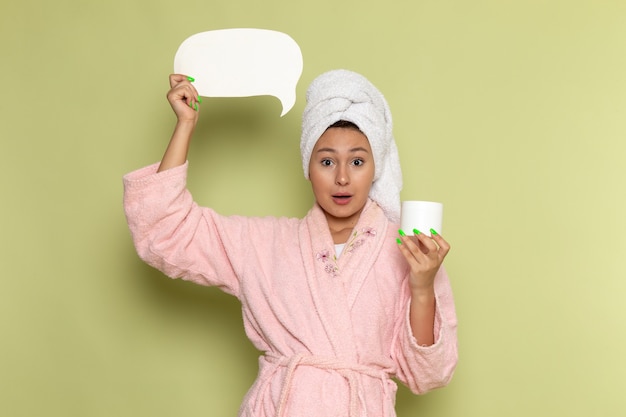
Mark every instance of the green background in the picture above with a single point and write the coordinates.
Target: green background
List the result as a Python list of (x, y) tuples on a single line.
[(512, 113)]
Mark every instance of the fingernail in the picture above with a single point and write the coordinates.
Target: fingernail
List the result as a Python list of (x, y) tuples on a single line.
[(401, 232), (191, 79), (399, 241), (195, 106), (191, 104), (433, 232), (416, 232), (199, 99)]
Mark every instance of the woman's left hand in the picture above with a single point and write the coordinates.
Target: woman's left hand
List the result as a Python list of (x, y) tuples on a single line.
[(425, 255)]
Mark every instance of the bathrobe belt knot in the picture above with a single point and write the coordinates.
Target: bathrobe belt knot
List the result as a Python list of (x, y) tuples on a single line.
[(350, 371)]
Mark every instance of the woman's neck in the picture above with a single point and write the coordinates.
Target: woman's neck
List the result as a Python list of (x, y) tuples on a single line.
[(341, 228), (341, 236)]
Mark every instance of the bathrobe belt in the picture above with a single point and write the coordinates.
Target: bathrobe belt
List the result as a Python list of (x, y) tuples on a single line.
[(349, 371)]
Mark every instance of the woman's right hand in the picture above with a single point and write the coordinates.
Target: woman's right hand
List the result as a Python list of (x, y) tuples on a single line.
[(184, 98)]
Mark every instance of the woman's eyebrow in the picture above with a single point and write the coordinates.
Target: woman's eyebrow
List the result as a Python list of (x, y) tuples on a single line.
[(358, 149), (326, 150)]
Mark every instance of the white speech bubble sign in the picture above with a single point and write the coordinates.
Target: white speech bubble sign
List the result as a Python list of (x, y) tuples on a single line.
[(242, 63)]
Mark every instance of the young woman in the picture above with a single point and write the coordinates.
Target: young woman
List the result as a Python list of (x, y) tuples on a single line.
[(339, 302)]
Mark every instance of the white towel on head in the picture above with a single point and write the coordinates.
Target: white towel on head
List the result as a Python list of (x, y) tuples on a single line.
[(345, 95)]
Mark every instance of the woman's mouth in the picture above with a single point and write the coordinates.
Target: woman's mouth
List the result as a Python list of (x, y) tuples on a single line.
[(342, 199)]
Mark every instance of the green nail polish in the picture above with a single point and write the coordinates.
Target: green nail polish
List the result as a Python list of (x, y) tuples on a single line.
[(433, 232), (401, 232), (191, 79), (416, 232), (195, 106), (191, 104), (399, 241), (199, 99)]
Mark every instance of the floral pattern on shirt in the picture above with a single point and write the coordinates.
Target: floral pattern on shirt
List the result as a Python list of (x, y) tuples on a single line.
[(329, 259)]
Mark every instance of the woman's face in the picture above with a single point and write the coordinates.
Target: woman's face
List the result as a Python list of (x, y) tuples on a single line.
[(341, 171)]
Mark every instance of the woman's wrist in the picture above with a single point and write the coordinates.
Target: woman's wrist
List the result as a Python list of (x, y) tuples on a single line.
[(423, 294), (185, 125)]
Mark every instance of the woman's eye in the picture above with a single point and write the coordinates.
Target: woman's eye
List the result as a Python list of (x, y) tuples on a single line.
[(358, 162), (326, 162)]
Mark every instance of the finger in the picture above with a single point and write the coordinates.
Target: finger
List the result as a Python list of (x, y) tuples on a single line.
[(411, 245), (404, 243), (431, 247), (184, 92), (176, 79), (444, 246), (192, 96)]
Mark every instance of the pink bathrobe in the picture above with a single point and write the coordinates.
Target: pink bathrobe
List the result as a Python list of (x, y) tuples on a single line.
[(333, 330)]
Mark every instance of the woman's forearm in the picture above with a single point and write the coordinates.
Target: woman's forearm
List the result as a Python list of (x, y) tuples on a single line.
[(178, 148), (422, 316)]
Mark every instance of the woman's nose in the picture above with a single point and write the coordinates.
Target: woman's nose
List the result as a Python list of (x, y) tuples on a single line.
[(342, 177)]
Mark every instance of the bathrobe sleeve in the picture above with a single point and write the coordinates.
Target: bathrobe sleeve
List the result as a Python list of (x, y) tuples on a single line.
[(173, 234), (424, 368)]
